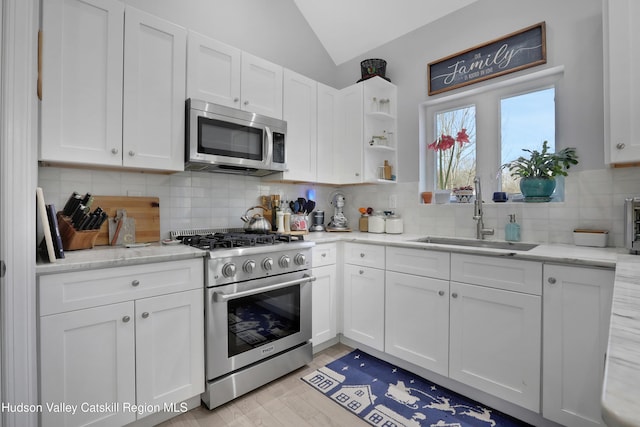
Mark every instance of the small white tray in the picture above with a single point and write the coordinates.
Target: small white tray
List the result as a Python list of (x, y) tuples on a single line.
[(595, 238)]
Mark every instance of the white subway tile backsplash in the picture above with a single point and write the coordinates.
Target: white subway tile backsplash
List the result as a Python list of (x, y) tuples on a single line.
[(593, 199)]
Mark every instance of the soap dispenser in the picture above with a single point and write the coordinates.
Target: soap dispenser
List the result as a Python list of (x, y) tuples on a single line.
[(512, 229)]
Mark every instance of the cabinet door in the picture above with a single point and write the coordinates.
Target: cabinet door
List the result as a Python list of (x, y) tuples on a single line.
[(328, 135), (261, 87), (213, 71), (88, 356), (349, 156), (364, 305), (324, 313), (300, 108), (417, 320), (155, 55), (577, 308), (495, 342), (81, 117), (622, 100), (170, 347)]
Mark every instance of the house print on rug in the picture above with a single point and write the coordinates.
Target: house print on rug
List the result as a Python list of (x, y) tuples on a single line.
[(384, 395)]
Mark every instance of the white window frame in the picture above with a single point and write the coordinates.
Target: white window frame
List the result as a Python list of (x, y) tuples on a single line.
[(486, 99)]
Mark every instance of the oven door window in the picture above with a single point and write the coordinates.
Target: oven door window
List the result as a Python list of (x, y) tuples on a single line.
[(229, 139), (259, 319)]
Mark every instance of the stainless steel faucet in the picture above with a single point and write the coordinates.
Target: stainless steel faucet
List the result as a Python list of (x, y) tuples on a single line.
[(477, 212)]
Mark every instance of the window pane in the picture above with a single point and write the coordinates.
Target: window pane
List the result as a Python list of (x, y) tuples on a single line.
[(527, 121), (455, 148)]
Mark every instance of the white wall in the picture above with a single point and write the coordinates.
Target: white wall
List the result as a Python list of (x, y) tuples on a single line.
[(574, 39)]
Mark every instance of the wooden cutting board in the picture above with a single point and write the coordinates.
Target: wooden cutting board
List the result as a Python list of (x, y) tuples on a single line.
[(145, 210)]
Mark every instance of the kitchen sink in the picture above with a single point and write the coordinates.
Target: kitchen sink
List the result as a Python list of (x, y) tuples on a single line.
[(491, 244)]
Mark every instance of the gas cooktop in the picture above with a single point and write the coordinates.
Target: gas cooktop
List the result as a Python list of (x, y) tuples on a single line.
[(215, 239)]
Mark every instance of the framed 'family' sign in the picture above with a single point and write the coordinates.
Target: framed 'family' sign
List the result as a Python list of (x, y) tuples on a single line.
[(516, 51)]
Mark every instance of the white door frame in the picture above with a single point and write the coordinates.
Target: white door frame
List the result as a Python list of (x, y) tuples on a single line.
[(18, 180)]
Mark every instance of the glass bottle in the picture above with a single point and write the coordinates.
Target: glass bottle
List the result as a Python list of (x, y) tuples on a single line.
[(512, 229)]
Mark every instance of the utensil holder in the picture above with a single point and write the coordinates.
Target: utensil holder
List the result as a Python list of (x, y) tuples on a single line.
[(73, 239)]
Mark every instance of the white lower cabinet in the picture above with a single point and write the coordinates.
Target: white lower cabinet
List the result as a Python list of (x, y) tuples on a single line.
[(417, 320), (111, 361), (324, 293), (88, 356), (495, 342), (363, 315), (577, 308)]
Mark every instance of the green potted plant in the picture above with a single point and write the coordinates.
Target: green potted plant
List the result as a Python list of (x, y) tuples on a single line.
[(537, 172)]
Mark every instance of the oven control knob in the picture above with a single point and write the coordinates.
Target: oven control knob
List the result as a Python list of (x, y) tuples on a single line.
[(284, 261), (248, 266), (229, 270), (300, 259), (267, 264)]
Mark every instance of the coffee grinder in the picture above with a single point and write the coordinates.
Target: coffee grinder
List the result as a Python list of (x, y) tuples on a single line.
[(317, 221)]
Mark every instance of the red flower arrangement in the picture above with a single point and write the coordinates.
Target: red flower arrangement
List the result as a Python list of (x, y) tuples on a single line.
[(445, 146)]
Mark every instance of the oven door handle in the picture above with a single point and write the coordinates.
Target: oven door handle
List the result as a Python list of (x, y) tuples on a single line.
[(222, 297)]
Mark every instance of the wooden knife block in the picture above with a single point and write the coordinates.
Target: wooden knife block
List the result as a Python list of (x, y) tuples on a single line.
[(73, 239)]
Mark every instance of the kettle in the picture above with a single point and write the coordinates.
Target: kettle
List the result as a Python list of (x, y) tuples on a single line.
[(257, 223)]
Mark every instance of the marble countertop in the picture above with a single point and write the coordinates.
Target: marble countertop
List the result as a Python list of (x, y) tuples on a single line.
[(621, 394), (107, 256), (620, 390)]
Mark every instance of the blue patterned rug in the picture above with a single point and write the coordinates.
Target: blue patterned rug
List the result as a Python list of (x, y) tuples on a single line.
[(384, 395)]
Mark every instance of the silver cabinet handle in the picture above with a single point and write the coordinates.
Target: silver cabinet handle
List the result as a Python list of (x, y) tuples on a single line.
[(132, 153), (362, 255), (114, 150), (246, 102), (441, 293), (323, 255), (551, 280), (236, 99), (135, 283), (454, 295), (125, 319), (620, 145), (361, 272), (145, 315)]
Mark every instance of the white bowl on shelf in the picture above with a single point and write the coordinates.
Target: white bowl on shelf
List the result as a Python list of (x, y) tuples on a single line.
[(442, 196)]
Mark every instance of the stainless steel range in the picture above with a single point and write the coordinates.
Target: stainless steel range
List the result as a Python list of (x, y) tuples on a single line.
[(257, 309)]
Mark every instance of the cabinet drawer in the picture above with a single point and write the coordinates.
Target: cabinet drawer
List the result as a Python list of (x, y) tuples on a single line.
[(509, 274), (324, 254), (365, 255), (419, 262), (72, 291)]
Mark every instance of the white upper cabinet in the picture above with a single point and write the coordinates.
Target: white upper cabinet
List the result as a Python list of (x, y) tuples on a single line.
[(300, 113), (621, 88), (328, 135), (81, 116), (213, 71), (155, 55), (349, 157), (94, 51), (261, 87), (222, 74)]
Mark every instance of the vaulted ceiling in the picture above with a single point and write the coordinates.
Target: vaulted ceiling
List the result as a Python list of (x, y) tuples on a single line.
[(349, 28)]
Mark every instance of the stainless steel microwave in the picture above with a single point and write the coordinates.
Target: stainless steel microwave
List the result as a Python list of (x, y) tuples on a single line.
[(228, 140)]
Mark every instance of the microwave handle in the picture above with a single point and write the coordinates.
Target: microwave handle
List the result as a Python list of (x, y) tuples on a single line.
[(268, 140)]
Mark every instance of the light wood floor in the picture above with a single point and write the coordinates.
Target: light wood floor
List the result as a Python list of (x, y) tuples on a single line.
[(285, 402)]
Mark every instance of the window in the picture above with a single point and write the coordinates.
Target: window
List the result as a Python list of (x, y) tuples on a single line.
[(526, 122), (499, 120), (454, 148)]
